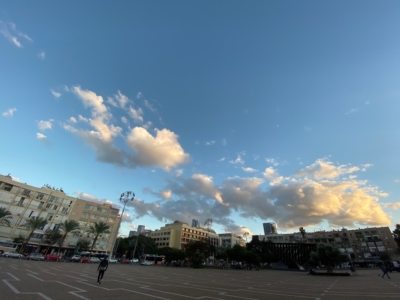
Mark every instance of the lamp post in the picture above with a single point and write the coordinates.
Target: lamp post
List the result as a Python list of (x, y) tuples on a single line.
[(125, 198), (134, 250)]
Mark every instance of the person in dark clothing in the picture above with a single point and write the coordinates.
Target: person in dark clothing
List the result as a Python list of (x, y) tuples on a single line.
[(103, 266), (385, 271)]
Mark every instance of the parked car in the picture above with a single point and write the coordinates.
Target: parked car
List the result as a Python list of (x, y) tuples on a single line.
[(53, 257), (94, 259), (35, 256), (134, 260), (146, 263), (124, 261), (112, 260), (84, 259), (75, 258), (12, 254)]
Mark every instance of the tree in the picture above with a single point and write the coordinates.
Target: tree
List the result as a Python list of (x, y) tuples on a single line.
[(396, 235), (97, 229), (5, 216), (328, 256), (32, 224), (51, 237), (172, 254), (237, 253), (302, 232), (83, 244), (67, 227), (197, 259)]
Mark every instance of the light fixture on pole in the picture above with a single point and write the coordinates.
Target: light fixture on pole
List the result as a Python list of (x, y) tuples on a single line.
[(125, 198)]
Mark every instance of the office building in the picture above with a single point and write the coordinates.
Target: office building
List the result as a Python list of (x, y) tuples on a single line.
[(270, 228)]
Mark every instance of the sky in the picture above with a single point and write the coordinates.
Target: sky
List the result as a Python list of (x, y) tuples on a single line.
[(243, 112)]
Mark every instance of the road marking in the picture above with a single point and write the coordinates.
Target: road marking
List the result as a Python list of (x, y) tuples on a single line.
[(35, 277), (15, 278), (24, 293), (14, 267), (32, 272)]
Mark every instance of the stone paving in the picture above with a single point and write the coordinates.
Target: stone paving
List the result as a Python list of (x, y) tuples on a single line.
[(23, 279)]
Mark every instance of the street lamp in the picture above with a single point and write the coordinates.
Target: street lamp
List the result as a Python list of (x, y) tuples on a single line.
[(125, 198)]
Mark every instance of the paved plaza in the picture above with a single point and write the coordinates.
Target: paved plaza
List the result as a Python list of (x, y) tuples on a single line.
[(23, 279)]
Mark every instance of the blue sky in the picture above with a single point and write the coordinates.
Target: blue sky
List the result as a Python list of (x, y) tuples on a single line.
[(243, 112)]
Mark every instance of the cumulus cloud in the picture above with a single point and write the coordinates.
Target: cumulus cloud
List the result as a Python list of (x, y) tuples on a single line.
[(161, 150), (238, 160), (144, 150), (272, 161), (210, 143), (9, 112), (55, 94), (73, 120), (302, 199), (91, 198), (112, 102), (122, 99), (43, 125), (10, 32), (394, 206)]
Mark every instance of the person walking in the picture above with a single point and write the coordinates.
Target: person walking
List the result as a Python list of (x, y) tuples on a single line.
[(385, 271), (103, 266)]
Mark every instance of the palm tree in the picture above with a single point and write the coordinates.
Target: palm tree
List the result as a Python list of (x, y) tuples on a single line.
[(302, 232), (97, 229), (5, 216), (32, 224), (67, 227), (51, 237)]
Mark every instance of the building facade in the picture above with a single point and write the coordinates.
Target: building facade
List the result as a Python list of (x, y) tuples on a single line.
[(270, 228), (229, 240), (361, 245), (177, 234), (25, 201)]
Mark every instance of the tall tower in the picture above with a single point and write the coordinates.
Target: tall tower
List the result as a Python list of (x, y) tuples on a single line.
[(140, 229), (195, 223), (270, 228)]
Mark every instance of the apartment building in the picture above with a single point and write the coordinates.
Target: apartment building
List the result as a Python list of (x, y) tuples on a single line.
[(177, 234), (362, 245), (26, 201), (229, 240)]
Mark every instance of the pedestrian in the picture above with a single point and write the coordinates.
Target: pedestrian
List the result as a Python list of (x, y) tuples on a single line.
[(385, 271), (103, 266)]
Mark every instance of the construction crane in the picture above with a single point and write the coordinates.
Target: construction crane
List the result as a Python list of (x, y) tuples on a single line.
[(208, 223)]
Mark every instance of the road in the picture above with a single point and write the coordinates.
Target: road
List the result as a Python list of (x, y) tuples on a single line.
[(23, 279)]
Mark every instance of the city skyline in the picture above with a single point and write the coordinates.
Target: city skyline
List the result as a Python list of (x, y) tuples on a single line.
[(243, 113)]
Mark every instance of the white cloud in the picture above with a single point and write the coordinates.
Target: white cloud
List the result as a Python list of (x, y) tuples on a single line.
[(166, 194), (83, 119), (73, 120), (292, 201), (178, 172), (9, 112), (325, 169), (249, 170), (112, 102), (353, 110), (90, 99), (397, 180), (43, 125), (149, 105), (210, 143), (272, 161), (222, 159), (124, 120), (40, 136), (42, 55), (122, 99), (136, 115), (55, 94), (91, 198), (394, 206), (238, 160), (224, 142), (139, 95), (10, 32), (162, 150)]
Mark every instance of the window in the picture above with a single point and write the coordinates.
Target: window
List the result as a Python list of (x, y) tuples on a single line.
[(89, 207), (105, 211), (52, 199), (64, 210), (48, 205), (114, 212), (55, 207), (7, 187), (40, 196), (49, 217), (26, 192), (85, 215), (21, 201), (40, 205), (95, 217), (98, 209)]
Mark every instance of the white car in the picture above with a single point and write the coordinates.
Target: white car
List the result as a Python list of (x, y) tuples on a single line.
[(12, 254), (94, 260), (146, 263), (134, 260), (112, 260)]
